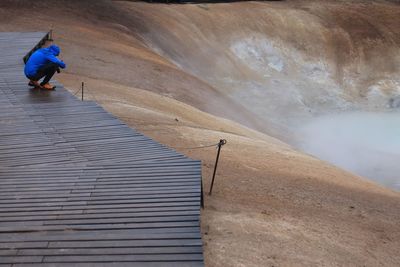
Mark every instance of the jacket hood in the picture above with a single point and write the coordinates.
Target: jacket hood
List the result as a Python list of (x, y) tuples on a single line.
[(55, 50)]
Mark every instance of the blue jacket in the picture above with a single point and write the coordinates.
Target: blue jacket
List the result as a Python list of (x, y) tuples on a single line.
[(41, 57)]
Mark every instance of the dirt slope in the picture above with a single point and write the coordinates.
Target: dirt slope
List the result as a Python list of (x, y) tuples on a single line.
[(272, 205), (284, 62)]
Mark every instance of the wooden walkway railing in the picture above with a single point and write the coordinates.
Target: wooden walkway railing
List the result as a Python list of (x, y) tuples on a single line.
[(80, 188)]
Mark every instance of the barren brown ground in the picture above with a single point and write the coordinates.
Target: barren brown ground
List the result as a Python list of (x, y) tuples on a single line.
[(272, 205)]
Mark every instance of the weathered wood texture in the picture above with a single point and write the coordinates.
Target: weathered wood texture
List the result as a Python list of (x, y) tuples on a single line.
[(80, 188)]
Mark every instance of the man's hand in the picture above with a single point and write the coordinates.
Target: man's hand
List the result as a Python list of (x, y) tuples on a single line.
[(58, 69)]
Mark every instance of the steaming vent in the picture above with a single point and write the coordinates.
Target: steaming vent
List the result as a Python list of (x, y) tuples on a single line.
[(394, 102)]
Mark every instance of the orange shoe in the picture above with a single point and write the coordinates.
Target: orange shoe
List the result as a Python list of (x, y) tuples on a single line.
[(36, 84), (48, 86)]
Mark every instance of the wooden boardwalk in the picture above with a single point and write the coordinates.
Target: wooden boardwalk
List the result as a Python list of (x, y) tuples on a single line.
[(80, 188)]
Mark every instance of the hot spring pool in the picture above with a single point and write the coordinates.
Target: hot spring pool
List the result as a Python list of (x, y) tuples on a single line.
[(367, 144)]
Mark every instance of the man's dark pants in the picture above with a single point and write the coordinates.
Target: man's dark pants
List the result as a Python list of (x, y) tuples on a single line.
[(47, 71)]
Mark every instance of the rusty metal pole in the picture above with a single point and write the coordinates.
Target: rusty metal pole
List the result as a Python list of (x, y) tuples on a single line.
[(202, 194), (220, 144), (83, 84)]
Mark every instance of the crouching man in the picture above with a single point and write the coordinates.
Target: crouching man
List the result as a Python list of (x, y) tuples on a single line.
[(43, 63)]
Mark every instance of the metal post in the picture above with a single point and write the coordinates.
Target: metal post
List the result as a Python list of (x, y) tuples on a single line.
[(83, 84), (202, 194), (220, 144)]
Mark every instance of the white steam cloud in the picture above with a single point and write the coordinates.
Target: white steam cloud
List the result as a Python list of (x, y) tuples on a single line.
[(367, 144)]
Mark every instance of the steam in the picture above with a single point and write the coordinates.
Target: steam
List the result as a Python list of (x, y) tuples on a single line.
[(367, 144)]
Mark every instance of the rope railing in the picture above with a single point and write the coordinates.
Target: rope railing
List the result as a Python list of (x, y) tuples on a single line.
[(198, 147), (218, 145)]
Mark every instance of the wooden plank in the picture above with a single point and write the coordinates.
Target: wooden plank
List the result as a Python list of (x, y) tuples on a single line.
[(21, 259), (23, 245), (115, 213), (41, 239), (49, 218), (124, 258), (105, 251), (96, 235), (118, 264), (127, 243), (24, 228)]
